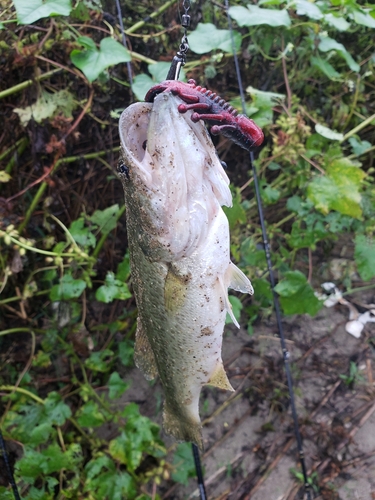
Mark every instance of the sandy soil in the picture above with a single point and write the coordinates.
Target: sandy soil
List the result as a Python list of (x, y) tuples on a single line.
[(250, 447)]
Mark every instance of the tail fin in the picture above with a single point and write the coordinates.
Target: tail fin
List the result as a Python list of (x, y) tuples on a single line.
[(183, 429)]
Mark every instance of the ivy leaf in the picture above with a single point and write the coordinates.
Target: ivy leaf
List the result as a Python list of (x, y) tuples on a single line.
[(364, 255), (296, 295), (236, 213), (141, 85), (57, 411), (309, 9), (92, 61), (236, 308), (359, 147), (106, 219), (253, 16), (363, 18), (183, 464), (81, 234), (112, 289), (99, 361), (160, 71), (338, 189), (327, 44), (269, 194), (126, 352), (123, 269), (337, 22), (29, 11), (47, 106), (116, 386), (68, 288), (328, 133), (89, 415), (325, 67), (206, 37)]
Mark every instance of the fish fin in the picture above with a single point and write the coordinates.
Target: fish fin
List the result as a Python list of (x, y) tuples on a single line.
[(143, 356), (220, 379), (237, 280), (228, 305), (174, 291), (182, 429)]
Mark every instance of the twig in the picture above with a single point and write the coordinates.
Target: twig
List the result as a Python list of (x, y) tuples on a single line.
[(27, 83), (140, 24)]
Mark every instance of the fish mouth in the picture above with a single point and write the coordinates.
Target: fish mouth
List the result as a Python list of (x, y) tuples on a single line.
[(133, 128)]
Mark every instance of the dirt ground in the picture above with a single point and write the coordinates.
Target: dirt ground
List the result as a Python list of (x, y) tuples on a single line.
[(250, 446)]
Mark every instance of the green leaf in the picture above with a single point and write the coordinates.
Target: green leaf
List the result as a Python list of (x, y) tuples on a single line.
[(116, 386), (236, 213), (29, 11), (359, 147), (261, 107), (364, 255), (337, 22), (123, 269), (141, 85), (183, 464), (89, 415), (106, 219), (327, 44), (206, 37), (236, 308), (306, 237), (5, 494), (126, 352), (56, 410), (338, 189), (100, 361), (269, 194), (253, 16), (68, 288), (160, 71), (112, 289), (309, 9), (4, 176), (328, 133), (92, 61), (325, 67), (47, 106), (363, 18), (296, 295), (81, 234)]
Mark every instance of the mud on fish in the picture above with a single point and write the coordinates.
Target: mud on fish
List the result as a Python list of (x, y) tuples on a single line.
[(178, 237)]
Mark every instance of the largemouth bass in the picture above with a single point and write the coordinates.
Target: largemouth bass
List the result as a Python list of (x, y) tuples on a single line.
[(179, 253)]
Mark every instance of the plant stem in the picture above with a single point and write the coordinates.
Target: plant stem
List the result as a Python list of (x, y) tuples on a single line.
[(105, 235), (15, 330), (43, 185), (12, 388), (140, 24), (27, 83), (358, 127)]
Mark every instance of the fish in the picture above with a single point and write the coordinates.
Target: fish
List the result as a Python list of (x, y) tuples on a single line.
[(179, 246)]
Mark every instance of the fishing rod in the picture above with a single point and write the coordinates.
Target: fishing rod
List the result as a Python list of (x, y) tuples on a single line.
[(267, 250)]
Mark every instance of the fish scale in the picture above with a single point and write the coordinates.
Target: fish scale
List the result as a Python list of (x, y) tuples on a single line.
[(179, 253)]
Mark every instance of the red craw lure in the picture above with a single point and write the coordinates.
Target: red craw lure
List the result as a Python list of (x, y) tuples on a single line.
[(209, 106)]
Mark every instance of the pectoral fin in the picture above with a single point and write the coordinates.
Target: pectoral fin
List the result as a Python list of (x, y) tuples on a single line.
[(174, 291), (235, 279), (143, 356), (219, 378)]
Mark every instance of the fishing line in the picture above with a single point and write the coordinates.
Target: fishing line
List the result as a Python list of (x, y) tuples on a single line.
[(8, 468), (286, 354), (124, 42)]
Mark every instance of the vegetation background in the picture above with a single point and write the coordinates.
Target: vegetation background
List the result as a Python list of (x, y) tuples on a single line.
[(67, 313)]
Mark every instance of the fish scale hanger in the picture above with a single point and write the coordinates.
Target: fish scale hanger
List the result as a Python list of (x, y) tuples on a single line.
[(178, 62)]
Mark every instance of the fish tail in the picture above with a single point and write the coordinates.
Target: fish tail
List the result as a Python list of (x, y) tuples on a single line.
[(182, 429)]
